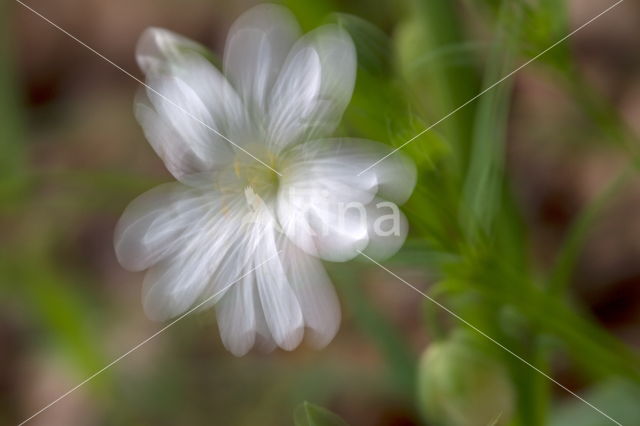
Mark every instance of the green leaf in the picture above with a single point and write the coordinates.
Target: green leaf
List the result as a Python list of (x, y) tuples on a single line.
[(599, 353), (310, 14), (483, 184), (618, 398), (307, 414), (440, 86), (545, 24), (373, 46), (64, 315), (560, 276)]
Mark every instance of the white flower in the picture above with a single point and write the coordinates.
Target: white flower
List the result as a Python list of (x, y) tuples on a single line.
[(259, 198)]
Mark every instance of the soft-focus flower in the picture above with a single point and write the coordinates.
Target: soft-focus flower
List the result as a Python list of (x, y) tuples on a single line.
[(259, 197), (460, 383)]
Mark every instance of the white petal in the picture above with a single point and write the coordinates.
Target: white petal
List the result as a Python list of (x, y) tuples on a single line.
[(183, 59), (281, 308), (237, 316), (178, 157), (294, 98), (298, 109), (324, 228), (256, 47), (239, 258), (161, 51), (396, 174), (189, 276), (388, 229), (394, 178), (183, 111), (198, 112), (323, 200), (316, 295), (153, 225), (264, 341), (184, 236)]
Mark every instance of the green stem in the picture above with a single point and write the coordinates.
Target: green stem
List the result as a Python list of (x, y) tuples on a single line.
[(560, 276), (452, 84)]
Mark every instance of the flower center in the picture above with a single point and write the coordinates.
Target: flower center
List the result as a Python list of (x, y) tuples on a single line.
[(262, 178), (259, 173)]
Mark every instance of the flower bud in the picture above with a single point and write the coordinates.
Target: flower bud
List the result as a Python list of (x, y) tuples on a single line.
[(460, 383)]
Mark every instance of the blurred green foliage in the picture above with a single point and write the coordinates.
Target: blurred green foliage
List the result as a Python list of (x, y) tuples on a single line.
[(462, 211)]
